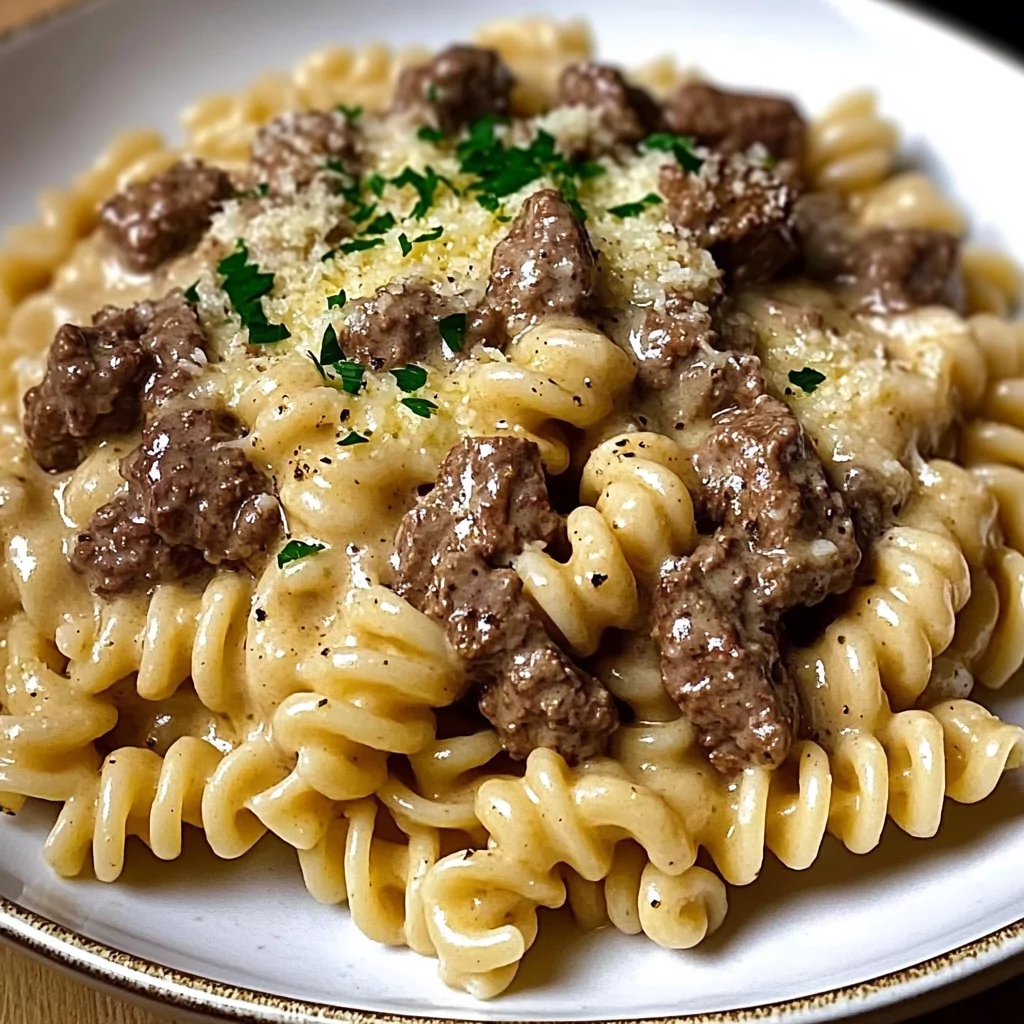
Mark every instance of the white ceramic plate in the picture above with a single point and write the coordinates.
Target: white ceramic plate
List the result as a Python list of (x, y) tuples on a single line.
[(848, 935)]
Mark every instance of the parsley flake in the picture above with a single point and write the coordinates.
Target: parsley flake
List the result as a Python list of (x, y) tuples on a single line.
[(806, 379), (353, 438), (426, 186), (680, 146), (364, 211), (245, 286), (410, 378), (635, 209), (430, 134), (403, 241), (376, 184), (352, 113), (359, 244), (337, 301), (430, 236), (330, 350), (192, 293), (421, 406), (324, 375), (296, 549), (379, 225), (453, 330), (432, 94), (351, 376)]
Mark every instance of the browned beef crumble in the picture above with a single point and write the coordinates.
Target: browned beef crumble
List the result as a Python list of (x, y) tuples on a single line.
[(544, 266), (395, 325), (455, 88), (879, 270), (740, 211), (295, 148), (100, 379), (153, 220), (451, 560), (627, 112), (669, 335), (193, 499), (732, 122), (784, 540)]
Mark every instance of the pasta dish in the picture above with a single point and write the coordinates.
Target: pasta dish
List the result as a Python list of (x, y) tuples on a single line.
[(506, 478)]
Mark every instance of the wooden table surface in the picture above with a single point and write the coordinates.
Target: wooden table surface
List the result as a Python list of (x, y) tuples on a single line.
[(31, 993)]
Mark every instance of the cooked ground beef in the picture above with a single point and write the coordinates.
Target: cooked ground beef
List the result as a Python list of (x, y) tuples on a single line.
[(627, 112), (880, 270), (455, 88), (451, 560), (731, 122), (669, 335), (782, 540), (193, 498), (395, 325), (99, 380), (738, 210), (153, 220), (544, 266), (293, 149)]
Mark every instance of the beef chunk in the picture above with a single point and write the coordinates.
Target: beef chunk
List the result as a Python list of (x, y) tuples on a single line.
[(720, 656), (760, 474), (122, 551), (290, 151), (451, 560), (873, 499), (393, 326), (100, 379), (544, 266), (668, 336), (784, 540), (881, 270), (192, 499), (460, 85), (628, 113), (153, 220), (894, 270), (490, 499), (93, 380), (731, 122), (738, 210)]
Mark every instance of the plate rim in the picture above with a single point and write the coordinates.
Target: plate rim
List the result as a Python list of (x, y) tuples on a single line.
[(139, 978)]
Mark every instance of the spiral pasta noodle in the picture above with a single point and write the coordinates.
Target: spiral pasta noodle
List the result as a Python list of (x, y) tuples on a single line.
[(562, 371), (481, 905), (643, 516)]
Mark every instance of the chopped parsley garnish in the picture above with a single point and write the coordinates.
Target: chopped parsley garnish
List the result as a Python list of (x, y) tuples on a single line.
[(410, 378), (635, 209), (336, 301), (245, 287), (262, 189), (353, 438), (359, 244), (351, 376), (296, 549), (324, 375), (432, 93), (330, 350), (806, 379), (421, 406), (403, 241), (376, 184), (352, 113), (425, 185), (453, 330), (430, 134), (336, 166), (364, 211), (502, 170), (385, 222), (192, 293), (430, 236), (680, 146)]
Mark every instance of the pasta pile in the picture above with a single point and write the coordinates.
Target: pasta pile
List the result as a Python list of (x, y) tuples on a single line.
[(313, 702)]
